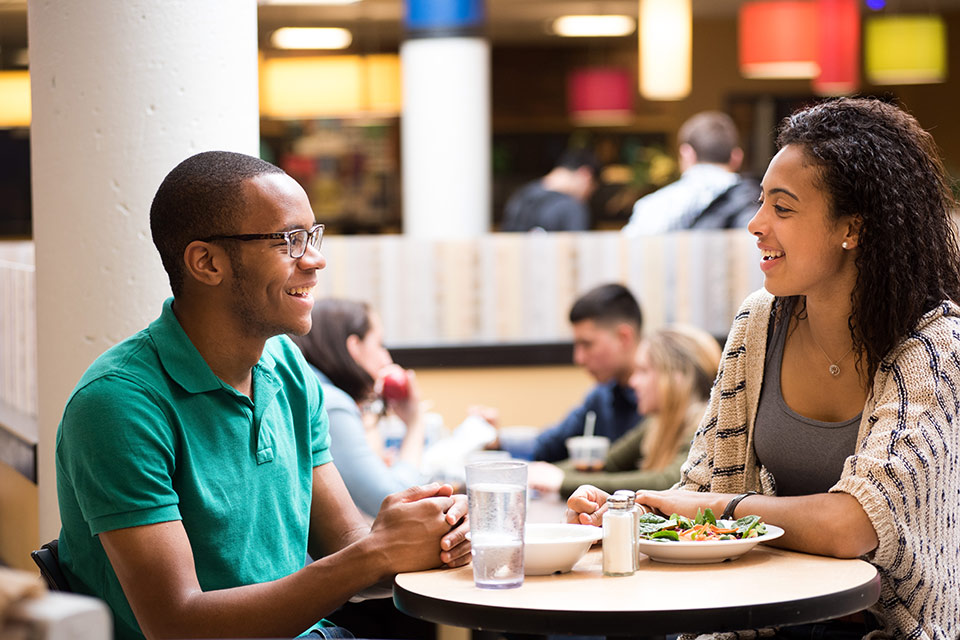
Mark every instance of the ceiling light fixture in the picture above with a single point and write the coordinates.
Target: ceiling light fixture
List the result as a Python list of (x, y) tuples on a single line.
[(307, 2), (666, 43), (311, 38), (594, 26), (778, 39), (905, 48), (838, 47)]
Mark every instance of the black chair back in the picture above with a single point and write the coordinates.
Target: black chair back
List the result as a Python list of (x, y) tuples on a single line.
[(47, 558)]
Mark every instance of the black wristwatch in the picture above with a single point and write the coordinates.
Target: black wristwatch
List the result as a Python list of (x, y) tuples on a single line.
[(732, 505)]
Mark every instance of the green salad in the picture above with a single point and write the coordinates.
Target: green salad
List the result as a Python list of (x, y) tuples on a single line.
[(705, 527)]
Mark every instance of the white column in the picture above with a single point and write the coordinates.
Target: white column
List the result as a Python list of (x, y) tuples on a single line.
[(445, 137), (122, 91)]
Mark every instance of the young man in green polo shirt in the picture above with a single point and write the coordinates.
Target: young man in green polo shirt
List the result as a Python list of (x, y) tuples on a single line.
[(193, 470)]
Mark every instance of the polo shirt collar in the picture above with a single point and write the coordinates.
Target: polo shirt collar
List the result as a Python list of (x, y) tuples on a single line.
[(181, 360)]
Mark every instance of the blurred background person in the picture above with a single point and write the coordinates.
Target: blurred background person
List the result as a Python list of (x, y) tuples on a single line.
[(345, 350), (675, 370), (606, 331), (558, 200), (710, 194)]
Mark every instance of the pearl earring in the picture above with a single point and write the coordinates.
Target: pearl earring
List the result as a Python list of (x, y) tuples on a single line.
[(844, 245)]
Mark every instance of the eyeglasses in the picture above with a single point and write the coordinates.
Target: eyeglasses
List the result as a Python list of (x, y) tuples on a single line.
[(297, 240)]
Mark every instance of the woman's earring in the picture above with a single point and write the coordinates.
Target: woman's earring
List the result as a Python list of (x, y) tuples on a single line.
[(844, 245)]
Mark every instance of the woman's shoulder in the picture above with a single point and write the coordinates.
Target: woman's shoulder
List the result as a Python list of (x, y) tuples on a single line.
[(937, 333), (759, 302), (333, 396), (752, 319)]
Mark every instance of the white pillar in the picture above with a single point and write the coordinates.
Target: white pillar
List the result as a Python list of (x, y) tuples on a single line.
[(122, 91), (445, 137)]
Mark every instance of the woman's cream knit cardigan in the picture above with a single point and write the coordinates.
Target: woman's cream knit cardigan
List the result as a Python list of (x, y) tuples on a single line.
[(905, 472)]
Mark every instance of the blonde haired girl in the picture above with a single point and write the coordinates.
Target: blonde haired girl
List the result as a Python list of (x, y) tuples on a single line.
[(674, 370)]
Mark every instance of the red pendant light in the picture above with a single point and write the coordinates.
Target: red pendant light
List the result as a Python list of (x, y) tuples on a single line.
[(778, 39), (600, 95), (838, 51)]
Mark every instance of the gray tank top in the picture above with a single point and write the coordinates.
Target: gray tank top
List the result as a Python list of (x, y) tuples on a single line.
[(805, 456)]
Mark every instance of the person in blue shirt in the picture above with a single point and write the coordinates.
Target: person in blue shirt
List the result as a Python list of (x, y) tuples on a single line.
[(607, 322)]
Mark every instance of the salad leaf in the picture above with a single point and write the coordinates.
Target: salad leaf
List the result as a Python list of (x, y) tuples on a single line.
[(651, 522), (651, 518), (705, 517), (666, 534), (746, 524), (683, 523)]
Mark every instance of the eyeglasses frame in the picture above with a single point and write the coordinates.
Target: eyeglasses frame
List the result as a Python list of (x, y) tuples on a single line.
[(315, 230)]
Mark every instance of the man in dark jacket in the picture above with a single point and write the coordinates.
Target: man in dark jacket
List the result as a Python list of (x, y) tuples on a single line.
[(557, 201), (606, 332)]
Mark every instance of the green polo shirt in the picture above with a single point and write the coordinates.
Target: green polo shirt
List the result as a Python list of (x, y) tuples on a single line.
[(150, 435)]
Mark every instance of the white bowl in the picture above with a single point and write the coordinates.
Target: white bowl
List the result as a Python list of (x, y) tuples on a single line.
[(555, 548)]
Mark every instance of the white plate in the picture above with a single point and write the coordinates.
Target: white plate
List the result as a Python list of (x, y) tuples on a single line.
[(555, 548), (692, 552)]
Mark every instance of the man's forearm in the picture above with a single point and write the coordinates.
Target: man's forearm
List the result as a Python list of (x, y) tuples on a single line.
[(283, 607)]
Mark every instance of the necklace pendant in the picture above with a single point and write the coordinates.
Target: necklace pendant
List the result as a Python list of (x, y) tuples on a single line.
[(834, 370)]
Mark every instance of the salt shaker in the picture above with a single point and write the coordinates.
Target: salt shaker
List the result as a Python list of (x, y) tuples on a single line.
[(635, 510), (619, 553)]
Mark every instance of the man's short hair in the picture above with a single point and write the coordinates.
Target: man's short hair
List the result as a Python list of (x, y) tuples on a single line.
[(574, 159), (607, 304), (200, 197), (712, 134)]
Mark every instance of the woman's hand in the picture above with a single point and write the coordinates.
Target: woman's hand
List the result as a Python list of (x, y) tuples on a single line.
[(408, 408), (544, 477), (684, 503), (587, 505)]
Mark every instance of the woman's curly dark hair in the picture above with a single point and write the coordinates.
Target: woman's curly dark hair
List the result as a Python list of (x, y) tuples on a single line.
[(875, 162)]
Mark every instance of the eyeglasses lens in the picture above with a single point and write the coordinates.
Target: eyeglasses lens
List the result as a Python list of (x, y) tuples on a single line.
[(299, 240)]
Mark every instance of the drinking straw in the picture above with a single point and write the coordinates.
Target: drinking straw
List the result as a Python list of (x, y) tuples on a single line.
[(589, 421)]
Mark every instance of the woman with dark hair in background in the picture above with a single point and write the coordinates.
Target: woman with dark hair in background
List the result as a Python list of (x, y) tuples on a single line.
[(836, 409), (345, 349)]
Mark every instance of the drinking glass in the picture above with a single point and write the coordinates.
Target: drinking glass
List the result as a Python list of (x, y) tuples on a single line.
[(497, 502)]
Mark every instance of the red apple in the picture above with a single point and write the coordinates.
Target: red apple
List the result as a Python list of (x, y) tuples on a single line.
[(396, 385)]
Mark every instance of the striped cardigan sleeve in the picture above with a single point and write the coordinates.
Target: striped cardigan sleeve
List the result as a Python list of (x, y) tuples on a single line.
[(906, 476)]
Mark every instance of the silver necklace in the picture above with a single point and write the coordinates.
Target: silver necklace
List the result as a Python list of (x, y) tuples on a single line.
[(834, 367)]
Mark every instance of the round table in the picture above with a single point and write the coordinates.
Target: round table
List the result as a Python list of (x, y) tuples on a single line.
[(764, 587)]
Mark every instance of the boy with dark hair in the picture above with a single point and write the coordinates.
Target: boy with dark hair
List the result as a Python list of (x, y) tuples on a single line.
[(607, 323)]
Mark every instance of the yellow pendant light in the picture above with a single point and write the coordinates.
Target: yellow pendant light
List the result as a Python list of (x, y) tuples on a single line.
[(14, 99), (665, 44), (905, 49)]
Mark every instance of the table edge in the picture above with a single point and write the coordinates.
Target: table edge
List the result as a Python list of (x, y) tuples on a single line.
[(491, 618)]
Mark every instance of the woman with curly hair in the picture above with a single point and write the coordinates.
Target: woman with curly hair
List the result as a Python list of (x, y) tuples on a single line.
[(835, 413)]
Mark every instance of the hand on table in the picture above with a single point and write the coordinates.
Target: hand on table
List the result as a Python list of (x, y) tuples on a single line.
[(414, 528), (455, 546), (544, 477), (490, 414), (587, 505)]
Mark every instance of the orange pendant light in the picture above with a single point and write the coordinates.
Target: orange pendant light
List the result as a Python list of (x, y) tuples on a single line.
[(838, 47), (778, 40)]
